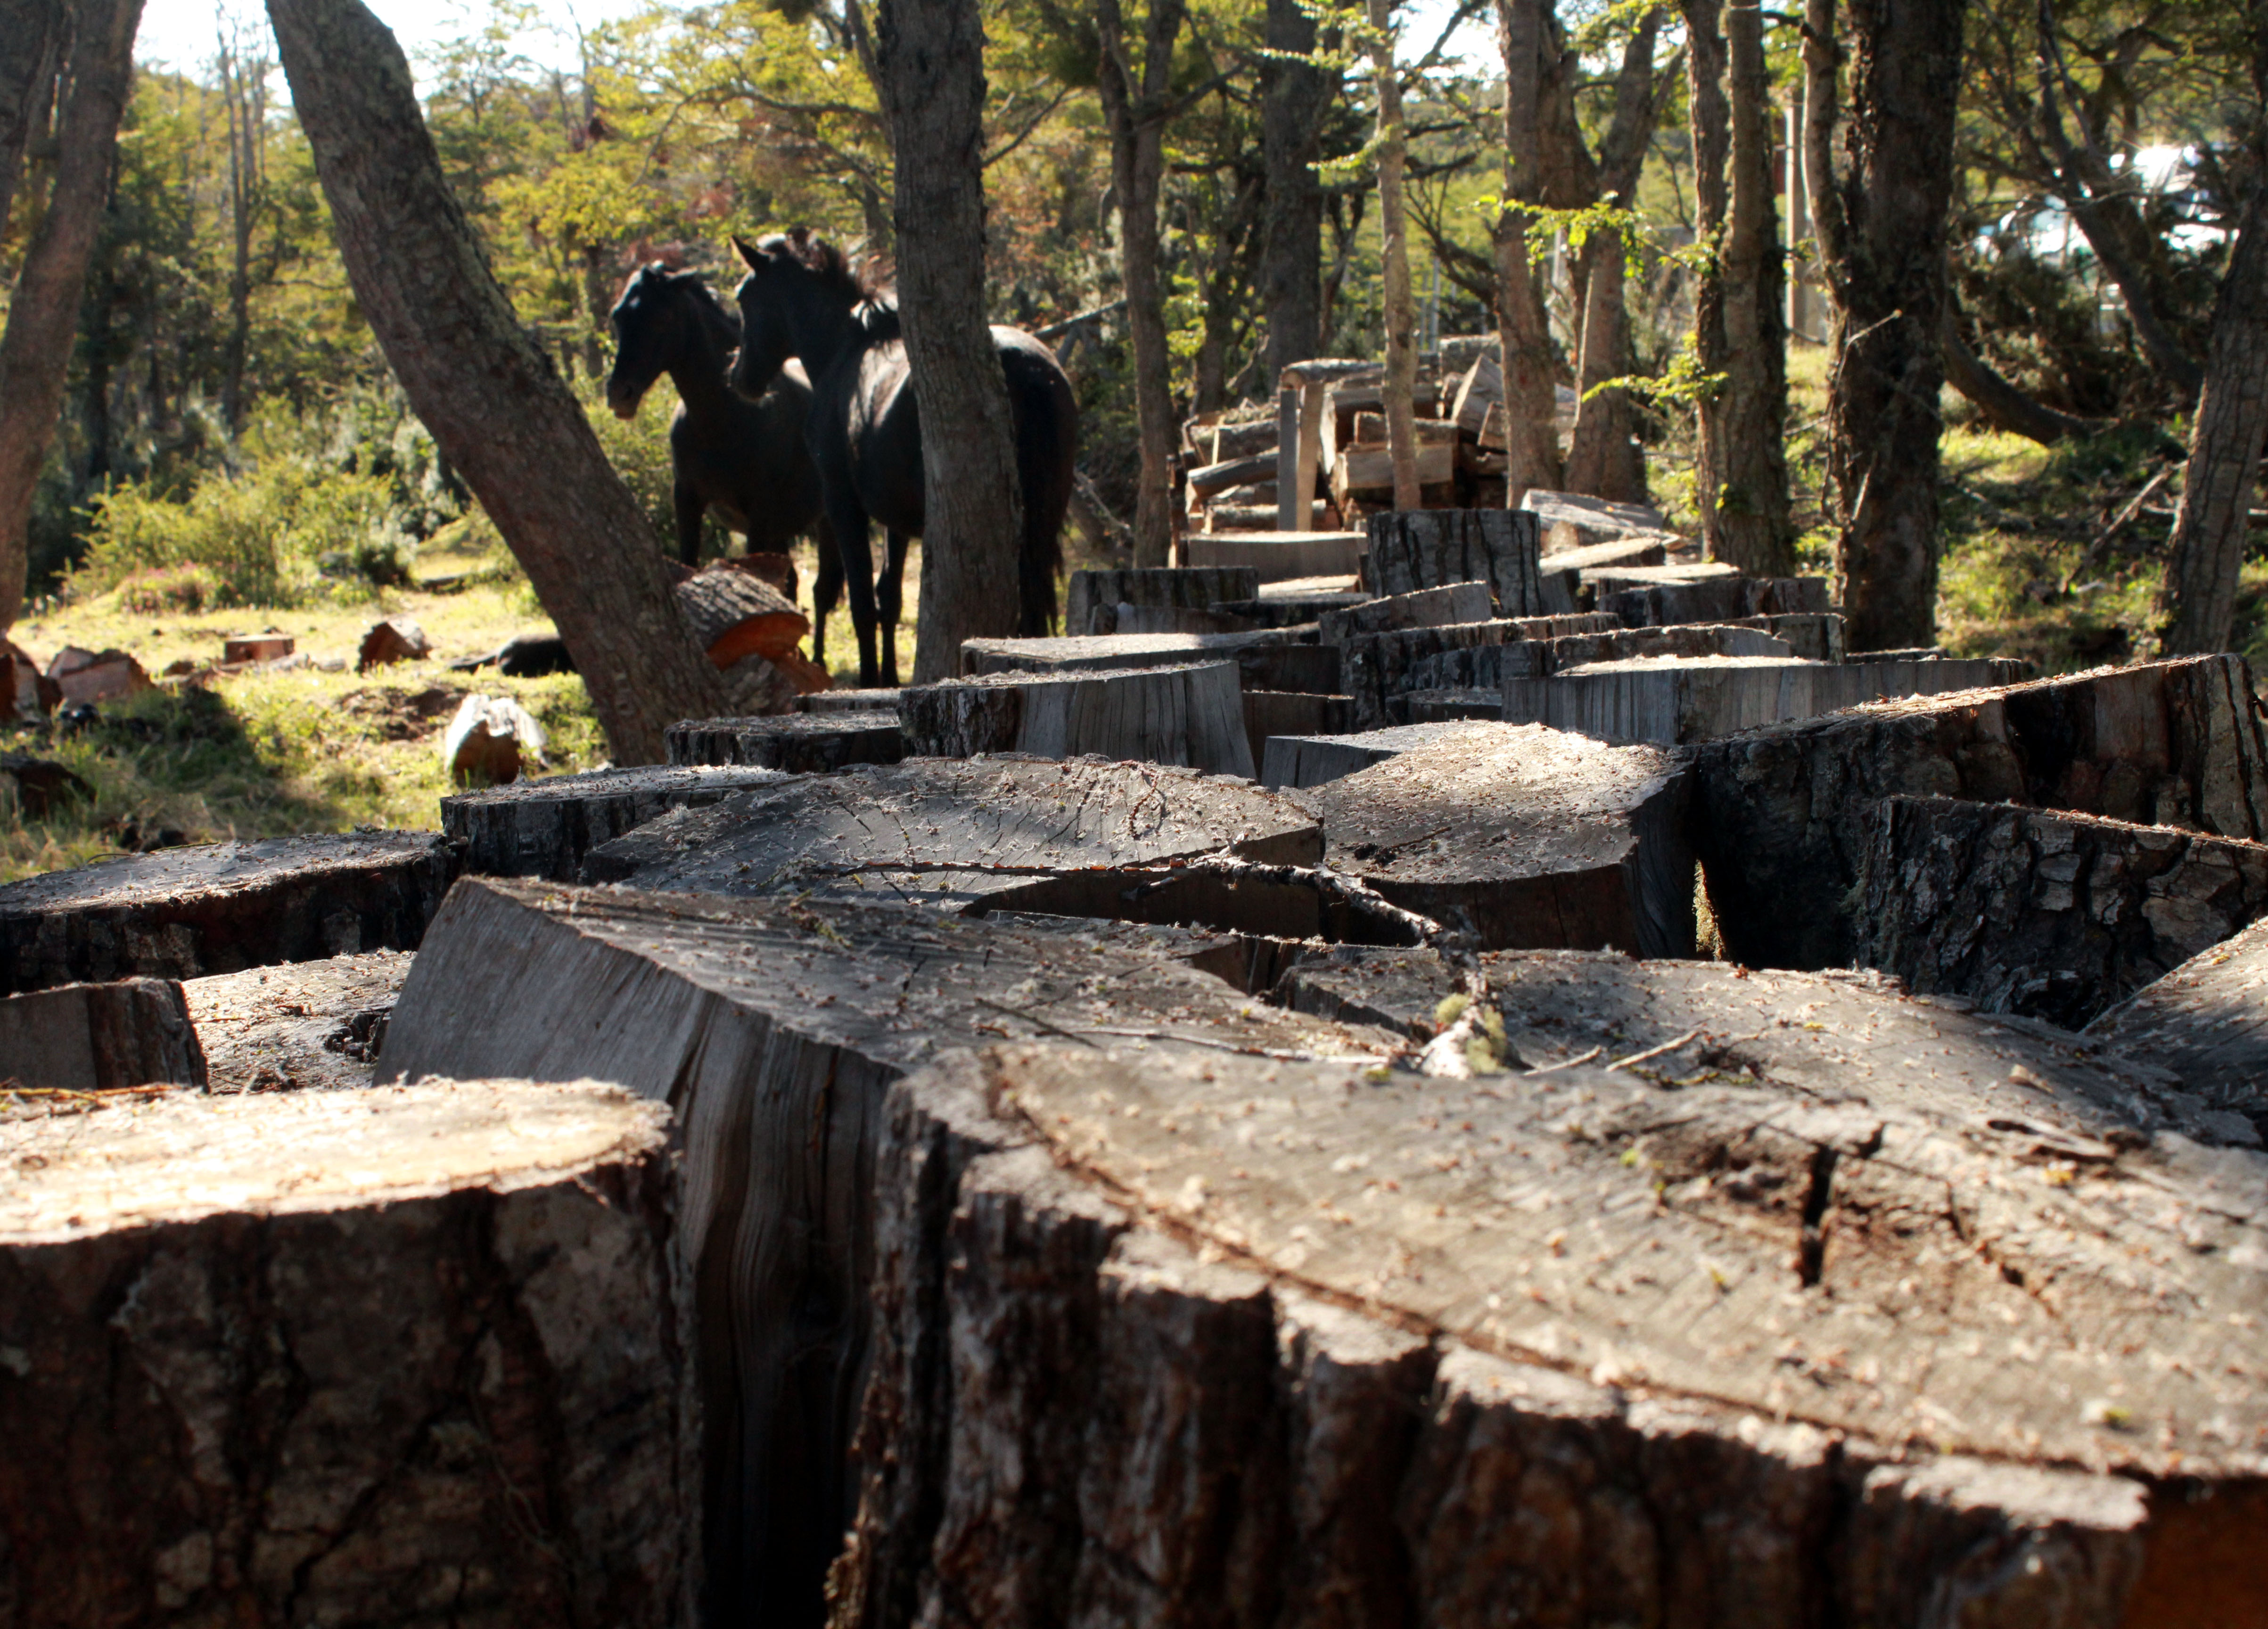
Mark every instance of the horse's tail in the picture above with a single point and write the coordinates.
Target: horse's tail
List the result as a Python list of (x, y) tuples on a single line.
[(1047, 458)]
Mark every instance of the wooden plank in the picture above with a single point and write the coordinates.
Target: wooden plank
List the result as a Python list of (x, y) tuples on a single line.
[(952, 833), (306, 1026), (813, 743), (1313, 400), (1278, 556), (98, 1037), (775, 1030), (1092, 601), (329, 1357), (1582, 1324), (220, 907), (544, 828), (1297, 760), (1423, 607), (1432, 547), (1674, 700), (2043, 913), (1368, 467), (1521, 837), (1189, 714), (1292, 498), (1481, 388), (1780, 814), (1643, 548), (2206, 1021)]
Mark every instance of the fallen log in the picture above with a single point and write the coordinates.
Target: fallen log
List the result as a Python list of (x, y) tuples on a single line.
[(1780, 814), (1267, 659), (1715, 599), (818, 742), (1432, 547), (774, 1028), (393, 639), (97, 1037), (491, 740), (544, 828), (1425, 607), (331, 1357), (954, 833), (1278, 556), (2206, 1021), (733, 614), (1231, 472), (2045, 913), (306, 1026), (1190, 715), (1522, 838), (1674, 700), (1584, 1348), (221, 907), (1092, 602), (1296, 760)]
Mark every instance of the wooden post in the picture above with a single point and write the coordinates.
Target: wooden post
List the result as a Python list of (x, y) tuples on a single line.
[(1291, 500), (1312, 398)]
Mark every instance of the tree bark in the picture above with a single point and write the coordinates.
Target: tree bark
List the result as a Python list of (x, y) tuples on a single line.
[(1135, 106), (1754, 529), (1881, 228), (97, 73), (1393, 238), (928, 56), (2197, 608), (498, 411), (1293, 99), (244, 100), (29, 30), (1530, 378)]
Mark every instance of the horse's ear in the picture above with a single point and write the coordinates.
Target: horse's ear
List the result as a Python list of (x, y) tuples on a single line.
[(750, 256)]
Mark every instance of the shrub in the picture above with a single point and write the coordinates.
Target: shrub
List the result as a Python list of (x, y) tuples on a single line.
[(178, 588)]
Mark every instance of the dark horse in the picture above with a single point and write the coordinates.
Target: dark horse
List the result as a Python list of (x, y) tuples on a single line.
[(801, 299), (745, 460)]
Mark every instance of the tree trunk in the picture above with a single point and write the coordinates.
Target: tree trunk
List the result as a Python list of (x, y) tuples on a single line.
[(1531, 380), (1881, 228), (929, 55), (1400, 317), (244, 98), (1135, 109), (97, 73), (2197, 609), (29, 30), (1293, 99), (2002, 403), (498, 411), (1746, 521)]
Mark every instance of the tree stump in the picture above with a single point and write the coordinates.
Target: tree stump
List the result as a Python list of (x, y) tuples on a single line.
[(813, 743), (40, 785), (1674, 700), (1467, 702), (774, 1028), (1190, 715), (490, 741), (1780, 814), (1817, 636), (337, 1356), (1092, 604), (1489, 665), (1432, 547), (1379, 669), (848, 701), (1715, 599), (1297, 760), (80, 676), (1520, 837), (1582, 1348), (2207, 1021), (1292, 713), (306, 1026), (98, 1037), (1278, 556), (221, 907), (544, 828), (393, 639), (2045, 913), (1425, 607), (733, 614), (1267, 659), (957, 832)]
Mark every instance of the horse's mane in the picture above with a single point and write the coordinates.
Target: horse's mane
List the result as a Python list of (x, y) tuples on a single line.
[(874, 299), (661, 275)]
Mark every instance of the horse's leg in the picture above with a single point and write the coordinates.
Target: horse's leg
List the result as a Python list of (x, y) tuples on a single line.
[(826, 585), (690, 507), (892, 598), (848, 521)]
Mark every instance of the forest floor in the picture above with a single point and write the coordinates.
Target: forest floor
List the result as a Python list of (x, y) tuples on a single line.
[(2029, 572)]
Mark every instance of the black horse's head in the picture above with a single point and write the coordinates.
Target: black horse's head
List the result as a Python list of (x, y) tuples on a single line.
[(800, 289), (650, 322)]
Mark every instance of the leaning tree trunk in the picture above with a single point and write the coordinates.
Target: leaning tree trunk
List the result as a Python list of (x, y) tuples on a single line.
[(498, 410), (1530, 381), (1136, 110), (930, 54), (1294, 98), (1881, 229), (2196, 610), (29, 30), (43, 316), (1393, 233)]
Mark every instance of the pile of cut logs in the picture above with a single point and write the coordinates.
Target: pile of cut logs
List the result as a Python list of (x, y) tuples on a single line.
[(1526, 1086)]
